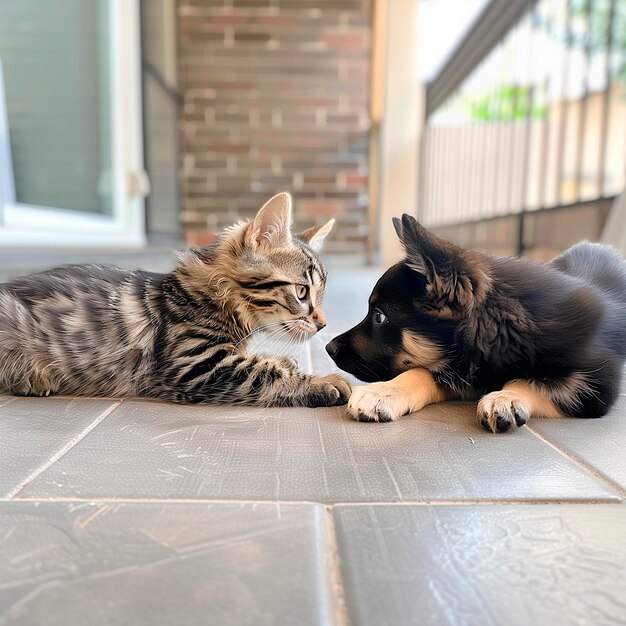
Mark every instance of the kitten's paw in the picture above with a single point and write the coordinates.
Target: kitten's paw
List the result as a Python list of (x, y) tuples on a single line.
[(378, 402), (331, 390), (500, 410), (289, 362), (33, 393)]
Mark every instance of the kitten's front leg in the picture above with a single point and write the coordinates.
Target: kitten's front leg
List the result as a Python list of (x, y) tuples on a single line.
[(330, 390), (264, 381), (289, 386)]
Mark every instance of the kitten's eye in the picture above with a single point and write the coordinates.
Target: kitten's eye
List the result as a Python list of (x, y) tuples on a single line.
[(379, 317), (302, 291)]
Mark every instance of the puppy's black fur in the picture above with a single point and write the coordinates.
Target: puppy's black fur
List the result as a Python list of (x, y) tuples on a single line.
[(477, 322)]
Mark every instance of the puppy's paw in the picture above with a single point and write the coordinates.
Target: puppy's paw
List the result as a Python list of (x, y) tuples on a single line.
[(331, 390), (501, 410), (378, 402)]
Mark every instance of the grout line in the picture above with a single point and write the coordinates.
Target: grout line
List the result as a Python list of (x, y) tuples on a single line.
[(475, 502), (334, 565), (63, 451), (590, 469), (132, 500), (454, 503)]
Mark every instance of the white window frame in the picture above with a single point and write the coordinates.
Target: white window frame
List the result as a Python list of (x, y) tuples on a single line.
[(23, 224)]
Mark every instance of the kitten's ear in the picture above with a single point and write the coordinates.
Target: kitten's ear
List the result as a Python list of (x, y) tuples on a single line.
[(315, 235), (456, 279), (271, 228)]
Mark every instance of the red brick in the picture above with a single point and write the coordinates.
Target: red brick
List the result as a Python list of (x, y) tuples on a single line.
[(202, 238), (251, 3), (253, 37), (321, 207), (342, 41), (229, 148), (229, 20), (356, 180), (231, 85), (315, 180)]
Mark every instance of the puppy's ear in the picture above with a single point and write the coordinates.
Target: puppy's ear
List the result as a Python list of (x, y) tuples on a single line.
[(456, 279), (424, 251), (315, 235), (271, 227)]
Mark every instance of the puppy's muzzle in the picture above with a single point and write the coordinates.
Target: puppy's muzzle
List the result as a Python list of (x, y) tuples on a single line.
[(332, 348)]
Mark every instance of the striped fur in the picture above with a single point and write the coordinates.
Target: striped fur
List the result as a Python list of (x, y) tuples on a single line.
[(182, 336)]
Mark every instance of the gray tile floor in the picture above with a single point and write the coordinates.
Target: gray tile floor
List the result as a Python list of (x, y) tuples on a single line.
[(140, 513)]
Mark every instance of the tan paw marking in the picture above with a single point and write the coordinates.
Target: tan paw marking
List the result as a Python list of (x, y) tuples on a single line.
[(500, 410), (378, 402)]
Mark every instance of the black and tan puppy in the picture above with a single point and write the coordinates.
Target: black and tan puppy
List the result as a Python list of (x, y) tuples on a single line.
[(527, 339)]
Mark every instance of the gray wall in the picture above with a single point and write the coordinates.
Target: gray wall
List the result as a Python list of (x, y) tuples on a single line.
[(161, 117)]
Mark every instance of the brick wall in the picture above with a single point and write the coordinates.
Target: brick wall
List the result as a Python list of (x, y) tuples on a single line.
[(275, 97)]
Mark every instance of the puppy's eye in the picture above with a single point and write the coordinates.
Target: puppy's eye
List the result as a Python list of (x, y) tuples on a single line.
[(302, 291), (379, 317)]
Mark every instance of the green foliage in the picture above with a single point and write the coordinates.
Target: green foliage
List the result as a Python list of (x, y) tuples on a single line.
[(593, 24), (603, 25), (507, 103)]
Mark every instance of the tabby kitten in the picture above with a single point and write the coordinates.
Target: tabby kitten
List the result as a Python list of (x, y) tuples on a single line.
[(97, 331)]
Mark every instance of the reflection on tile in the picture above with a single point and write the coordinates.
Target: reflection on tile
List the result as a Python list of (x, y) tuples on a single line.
[(159, 450), (87, 564), (598, 442), (33, 429), (483, 565)]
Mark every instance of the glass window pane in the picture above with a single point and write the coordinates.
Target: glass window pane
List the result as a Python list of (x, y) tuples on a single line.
[(55, 57)]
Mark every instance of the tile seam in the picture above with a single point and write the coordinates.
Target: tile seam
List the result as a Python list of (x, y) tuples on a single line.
[(589, 469), (469, 502), (62, 452), (334, 567)]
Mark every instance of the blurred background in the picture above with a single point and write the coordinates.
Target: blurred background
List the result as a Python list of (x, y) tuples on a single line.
[(131, 127)]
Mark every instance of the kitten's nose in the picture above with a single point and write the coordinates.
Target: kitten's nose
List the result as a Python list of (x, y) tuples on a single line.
[(318, 319), (332, 348)]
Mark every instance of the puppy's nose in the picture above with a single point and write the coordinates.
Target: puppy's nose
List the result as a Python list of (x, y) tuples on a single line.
[(319, 326), (332, 348)]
